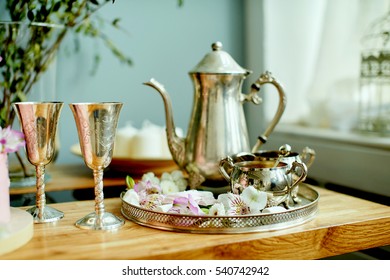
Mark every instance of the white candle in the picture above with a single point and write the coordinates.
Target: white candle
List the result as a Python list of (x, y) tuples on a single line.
[(123, 147), (147, 143)]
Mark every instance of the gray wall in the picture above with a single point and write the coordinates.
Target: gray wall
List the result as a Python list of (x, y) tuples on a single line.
[(164, 41)]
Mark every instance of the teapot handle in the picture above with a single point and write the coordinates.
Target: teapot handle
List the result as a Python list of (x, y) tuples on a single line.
[(267, 78)]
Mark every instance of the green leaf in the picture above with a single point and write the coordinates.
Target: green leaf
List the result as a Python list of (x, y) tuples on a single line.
[(115, 22), (20, 96), (130, 182), (56, 6)]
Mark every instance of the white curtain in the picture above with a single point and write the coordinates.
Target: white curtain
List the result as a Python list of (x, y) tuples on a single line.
[(313, 48)]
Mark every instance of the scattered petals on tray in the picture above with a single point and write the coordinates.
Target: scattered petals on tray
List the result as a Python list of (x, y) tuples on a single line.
[(168, 194)]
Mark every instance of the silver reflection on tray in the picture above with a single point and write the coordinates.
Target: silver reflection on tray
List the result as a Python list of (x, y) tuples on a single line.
[(96, 126), (39, 124)]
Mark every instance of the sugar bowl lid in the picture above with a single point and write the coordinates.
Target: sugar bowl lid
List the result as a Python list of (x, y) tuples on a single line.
[(218, 62)]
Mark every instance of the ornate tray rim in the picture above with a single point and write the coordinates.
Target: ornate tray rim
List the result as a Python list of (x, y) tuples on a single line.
[(204, 224)]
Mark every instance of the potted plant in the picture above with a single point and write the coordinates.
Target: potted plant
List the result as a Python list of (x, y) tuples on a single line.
[(31, 37)]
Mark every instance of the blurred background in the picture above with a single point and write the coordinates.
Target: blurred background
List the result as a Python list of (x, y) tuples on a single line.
[(312, 47), (165, 41)]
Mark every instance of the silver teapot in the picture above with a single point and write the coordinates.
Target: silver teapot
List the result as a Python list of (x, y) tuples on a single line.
[(217, 125)]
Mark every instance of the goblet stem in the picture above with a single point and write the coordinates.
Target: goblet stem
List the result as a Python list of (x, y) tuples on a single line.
[(99, 195), (100, 219), (41, 212), (41, 197)]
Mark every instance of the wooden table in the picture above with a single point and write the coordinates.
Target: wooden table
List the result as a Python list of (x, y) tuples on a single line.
[(344, 224)]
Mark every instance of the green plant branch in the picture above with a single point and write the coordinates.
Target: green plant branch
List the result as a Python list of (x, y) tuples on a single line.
[(21, 67), (73, 15)]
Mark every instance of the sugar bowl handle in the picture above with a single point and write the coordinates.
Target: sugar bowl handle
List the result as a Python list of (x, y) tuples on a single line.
[(301, 176), (222, 163), (308, 155)]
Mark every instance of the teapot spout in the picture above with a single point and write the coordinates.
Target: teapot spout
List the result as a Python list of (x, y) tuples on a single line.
[(176, 144)]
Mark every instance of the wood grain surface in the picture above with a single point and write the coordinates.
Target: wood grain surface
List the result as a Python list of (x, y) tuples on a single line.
[(344, 224)]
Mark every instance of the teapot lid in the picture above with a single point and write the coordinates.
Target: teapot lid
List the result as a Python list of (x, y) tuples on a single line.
[(218, 62)]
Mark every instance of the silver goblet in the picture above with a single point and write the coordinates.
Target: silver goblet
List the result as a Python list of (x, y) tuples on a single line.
[(96, 126), (38, 121)]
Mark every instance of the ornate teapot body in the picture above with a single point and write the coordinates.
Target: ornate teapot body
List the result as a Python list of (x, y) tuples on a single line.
[(217, 126)]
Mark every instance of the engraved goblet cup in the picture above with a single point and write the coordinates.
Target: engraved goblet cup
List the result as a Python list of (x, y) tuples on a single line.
[(96, 126), (38, 121)]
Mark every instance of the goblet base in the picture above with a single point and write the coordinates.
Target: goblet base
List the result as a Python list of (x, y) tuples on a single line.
[(49, 214), (107, 221)]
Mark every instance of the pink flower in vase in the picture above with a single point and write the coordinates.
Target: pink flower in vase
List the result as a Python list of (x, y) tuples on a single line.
[(11, 140)]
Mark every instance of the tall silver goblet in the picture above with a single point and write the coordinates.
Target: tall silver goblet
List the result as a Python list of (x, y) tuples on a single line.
[(96, 126), (38, 121)]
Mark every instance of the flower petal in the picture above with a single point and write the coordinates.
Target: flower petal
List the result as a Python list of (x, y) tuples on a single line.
[(217, 210), (164, 208), (169, 187), (11, 140), (255, 199), (131, 197)]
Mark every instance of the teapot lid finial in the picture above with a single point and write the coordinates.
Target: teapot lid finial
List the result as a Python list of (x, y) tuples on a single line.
[(218, 62), (217, 46)]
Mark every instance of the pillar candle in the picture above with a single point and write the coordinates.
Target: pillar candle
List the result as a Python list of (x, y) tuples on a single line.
[(123, 147)]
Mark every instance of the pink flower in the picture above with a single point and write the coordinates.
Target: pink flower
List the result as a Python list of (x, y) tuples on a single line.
[(149, 187), (11, 140), (186, 205), (151, 201)]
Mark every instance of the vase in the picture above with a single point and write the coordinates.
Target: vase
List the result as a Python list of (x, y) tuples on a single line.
[(5, 211), (38, 86)]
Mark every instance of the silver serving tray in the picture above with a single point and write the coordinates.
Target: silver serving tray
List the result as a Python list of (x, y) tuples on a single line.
[(298, 214)]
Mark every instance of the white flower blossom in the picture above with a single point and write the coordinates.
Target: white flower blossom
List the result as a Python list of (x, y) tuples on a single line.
[(255, 199), (150, 177), (238, 207), (217, 210), (177, 178), (225, 199), (169, 187)]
